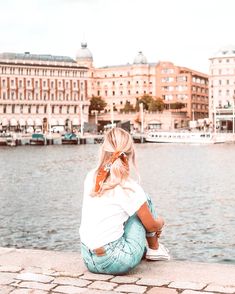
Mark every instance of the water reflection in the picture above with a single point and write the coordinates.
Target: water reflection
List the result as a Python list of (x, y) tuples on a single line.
[(192, 187)]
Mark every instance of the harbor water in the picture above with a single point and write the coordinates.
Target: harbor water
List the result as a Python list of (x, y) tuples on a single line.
[(193, 188)]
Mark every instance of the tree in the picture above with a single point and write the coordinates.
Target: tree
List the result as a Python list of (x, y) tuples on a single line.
[(150, 103), (97, 103), (146, 100), (177, 105), (157, 104), (128, 107)]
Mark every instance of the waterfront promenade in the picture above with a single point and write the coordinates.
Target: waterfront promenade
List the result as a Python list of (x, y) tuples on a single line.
[(25, 271)]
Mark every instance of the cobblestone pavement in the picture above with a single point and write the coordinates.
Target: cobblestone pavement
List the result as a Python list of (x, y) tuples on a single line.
[(19, 279)]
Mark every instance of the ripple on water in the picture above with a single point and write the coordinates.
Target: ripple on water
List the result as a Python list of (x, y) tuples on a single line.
[(192, 187)]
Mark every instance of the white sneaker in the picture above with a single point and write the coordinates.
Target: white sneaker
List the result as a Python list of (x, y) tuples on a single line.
[(158, 254)]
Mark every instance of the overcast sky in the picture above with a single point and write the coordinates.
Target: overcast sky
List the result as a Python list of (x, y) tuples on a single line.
[(186, 32)]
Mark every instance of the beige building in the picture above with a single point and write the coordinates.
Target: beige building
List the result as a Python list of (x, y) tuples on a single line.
[(42, 91), (222, 88)]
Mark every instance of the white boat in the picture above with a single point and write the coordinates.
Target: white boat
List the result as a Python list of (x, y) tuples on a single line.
[(183, 137)]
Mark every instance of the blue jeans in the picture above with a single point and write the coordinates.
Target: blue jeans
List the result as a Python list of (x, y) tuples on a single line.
[(123, 254)]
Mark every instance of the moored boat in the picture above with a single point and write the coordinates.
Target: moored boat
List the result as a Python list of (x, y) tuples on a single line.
[(69, 138), (37, 139), (182, 137)]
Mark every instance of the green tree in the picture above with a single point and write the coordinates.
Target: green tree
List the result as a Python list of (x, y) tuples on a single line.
[(157, 104), (146, 100), (177, 105), (128, 107), (97, 103)]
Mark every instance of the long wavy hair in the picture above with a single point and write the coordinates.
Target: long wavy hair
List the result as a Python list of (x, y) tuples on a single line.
[(115, 140)]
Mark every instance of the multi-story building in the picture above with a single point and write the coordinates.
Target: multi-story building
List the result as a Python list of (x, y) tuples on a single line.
[(175, 84), (45, 90), (42, 90), (222, 88), (183, 86)]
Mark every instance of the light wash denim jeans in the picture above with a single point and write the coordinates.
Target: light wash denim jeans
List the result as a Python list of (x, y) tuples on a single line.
[(123, 254)]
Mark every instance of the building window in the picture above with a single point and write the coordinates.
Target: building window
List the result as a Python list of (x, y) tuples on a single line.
[(53, 109), (52, 84), (106, 93), (29, 109), (4, 109), (28, 83), (129, 92), (44, 83), (60, 109), (12, 95), (37, 109), (113, 83), (113, 93), (68, 110), (13, 109)]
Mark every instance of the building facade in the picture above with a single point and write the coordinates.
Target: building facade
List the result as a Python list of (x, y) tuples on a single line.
[(44, 90), (222, 88)]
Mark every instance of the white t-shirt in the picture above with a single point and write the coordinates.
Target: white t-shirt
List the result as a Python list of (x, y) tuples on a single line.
[(103, 217)]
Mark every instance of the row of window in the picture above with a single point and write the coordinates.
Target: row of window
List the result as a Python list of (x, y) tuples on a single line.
[(39, 109), (225, 71), (222, 60), (121, 93), (42, 72), (41, 96), (41, 83), (222, 82), (227, 92), (121, 84)]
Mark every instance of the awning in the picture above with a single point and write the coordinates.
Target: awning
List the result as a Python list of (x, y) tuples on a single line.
[(75, 121), (30, 122), (5, 122), (13, 122), (22, 122), (53, 122), (38, 122), (61, 122)]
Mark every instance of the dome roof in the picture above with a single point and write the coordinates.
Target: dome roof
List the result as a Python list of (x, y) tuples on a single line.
[(140, 59), (226, 51), (84, 53)]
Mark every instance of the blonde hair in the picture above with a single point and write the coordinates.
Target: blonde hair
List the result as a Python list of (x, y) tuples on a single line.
[(115, 140)]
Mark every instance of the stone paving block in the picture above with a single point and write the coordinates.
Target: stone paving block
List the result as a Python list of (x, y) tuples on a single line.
[(34, 277), (32, 269), (36, 285), (196, 292), (187, 285), (124, 280), (131, 289), (67, 274), (71, 281), (28, 291), (7, 278), (102, 285), (157, 290), (10, 269), (153, 282), (69, 290), (219, 288), (5, 289), (96, 277), (95, 291)]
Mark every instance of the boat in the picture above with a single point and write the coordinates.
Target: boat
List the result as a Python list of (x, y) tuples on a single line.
[(69, 138), (183, 137), (37, 139)]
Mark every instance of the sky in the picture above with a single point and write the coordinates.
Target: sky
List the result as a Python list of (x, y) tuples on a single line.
[(185, 32)]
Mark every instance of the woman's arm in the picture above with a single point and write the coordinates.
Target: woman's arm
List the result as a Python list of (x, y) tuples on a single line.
[(147, 219)]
